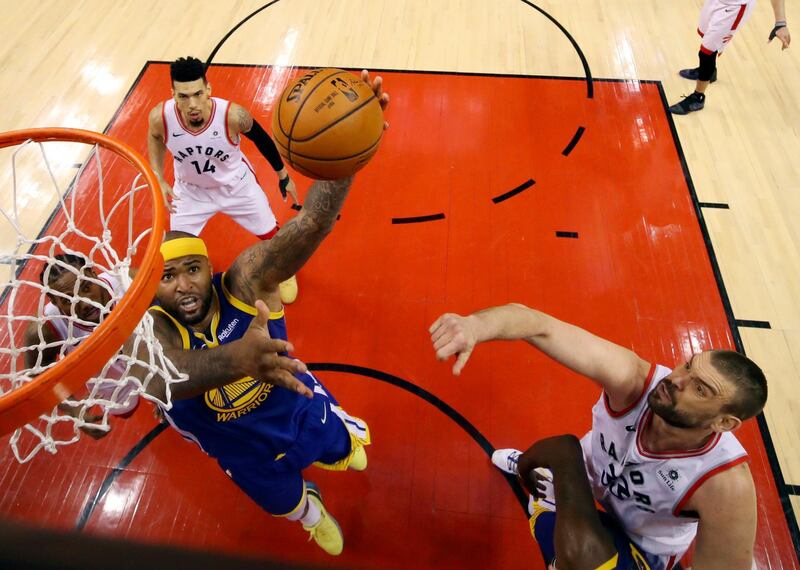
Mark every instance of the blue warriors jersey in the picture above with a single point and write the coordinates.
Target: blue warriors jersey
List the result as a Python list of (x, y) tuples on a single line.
[(247, 418)]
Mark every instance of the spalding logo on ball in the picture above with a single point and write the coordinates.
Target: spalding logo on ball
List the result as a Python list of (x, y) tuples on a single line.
[(328, 124)]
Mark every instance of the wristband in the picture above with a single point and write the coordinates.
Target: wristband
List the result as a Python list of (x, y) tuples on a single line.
[(282, 184), (778, 26)]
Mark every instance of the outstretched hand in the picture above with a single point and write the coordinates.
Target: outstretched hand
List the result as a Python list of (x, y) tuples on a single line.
[(377, 87), (453, 334), (287, 187), (781, 31), (262, 360)]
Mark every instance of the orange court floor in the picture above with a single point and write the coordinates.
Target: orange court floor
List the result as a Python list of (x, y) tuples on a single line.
[(488, 189)]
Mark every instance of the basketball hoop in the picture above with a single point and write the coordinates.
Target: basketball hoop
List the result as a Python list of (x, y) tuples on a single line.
[(112, 227)]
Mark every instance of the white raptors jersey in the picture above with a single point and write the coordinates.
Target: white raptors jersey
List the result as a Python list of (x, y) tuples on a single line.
[(59, 323), (207, 158), (647, 490)]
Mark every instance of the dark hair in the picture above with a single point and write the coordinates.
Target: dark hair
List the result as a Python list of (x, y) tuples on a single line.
[(58, 266), (187, 69), (177, 234), (749, 380)]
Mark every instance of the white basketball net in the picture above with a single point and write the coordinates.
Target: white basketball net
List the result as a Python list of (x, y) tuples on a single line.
[(99, 221)]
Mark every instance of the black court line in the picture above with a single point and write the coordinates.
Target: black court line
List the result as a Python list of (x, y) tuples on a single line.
[(574, 142), (753, 324), (436, 402), (584, 62), (116, 472), (715, 205), (418, 219), (793, 489), (304, 66), (573, 235), (521, 188), (587, 77), (132, 88), (233, 29), (781, 485), (587, 71), (766, 436)]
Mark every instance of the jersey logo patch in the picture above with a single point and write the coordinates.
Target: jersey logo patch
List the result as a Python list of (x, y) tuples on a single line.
[(238, 398), (669, 477)]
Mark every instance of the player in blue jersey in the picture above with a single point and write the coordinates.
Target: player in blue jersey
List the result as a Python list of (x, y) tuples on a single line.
[(261, 415)]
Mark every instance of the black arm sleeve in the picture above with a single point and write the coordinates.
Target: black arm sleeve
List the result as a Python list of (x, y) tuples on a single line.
[(265, 145)]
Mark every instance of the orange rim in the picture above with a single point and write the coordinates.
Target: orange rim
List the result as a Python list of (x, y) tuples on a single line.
[(53, 386)]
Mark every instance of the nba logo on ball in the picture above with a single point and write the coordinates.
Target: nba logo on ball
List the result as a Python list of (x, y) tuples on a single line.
[(328, 124)]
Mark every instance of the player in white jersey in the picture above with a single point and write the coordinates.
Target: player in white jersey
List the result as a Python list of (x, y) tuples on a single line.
[(66, 322), (719, 22), (203, 134), (660, 457)]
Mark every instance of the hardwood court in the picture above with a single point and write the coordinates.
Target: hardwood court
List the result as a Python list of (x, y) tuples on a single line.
[(621, 189)]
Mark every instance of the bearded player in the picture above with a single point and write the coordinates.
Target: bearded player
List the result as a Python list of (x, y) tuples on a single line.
[(661, 457)]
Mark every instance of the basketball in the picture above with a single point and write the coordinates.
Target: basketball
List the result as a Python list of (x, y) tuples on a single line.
[(328, 124)]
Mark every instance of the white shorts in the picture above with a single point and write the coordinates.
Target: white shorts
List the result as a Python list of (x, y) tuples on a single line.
[(244, 201), (719, 20)]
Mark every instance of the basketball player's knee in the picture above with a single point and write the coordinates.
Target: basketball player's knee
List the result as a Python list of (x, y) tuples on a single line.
[(583, 548), (708, 63), (287, 506)]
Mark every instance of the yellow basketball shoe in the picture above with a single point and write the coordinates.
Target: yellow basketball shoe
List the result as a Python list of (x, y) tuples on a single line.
[(358, 462), (288, 290), (326, 533)]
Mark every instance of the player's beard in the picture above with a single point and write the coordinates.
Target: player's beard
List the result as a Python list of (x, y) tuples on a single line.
[(195, 317), (195, 123), (668, 411)]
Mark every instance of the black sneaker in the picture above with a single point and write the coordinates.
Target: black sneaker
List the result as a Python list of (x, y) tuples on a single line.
[(694, 74), (693, 102)]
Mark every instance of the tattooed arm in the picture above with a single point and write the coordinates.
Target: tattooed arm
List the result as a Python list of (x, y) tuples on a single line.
[(257, 272), (255, 355), (240, 121), (259, 269)]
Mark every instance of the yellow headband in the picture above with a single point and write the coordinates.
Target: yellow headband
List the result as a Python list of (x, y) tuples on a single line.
[(182, 247)]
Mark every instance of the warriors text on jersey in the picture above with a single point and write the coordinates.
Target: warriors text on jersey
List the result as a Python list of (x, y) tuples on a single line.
[(644, 489)]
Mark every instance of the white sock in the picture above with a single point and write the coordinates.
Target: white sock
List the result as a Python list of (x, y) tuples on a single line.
[(308, 514), (312, 515)]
